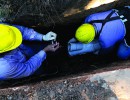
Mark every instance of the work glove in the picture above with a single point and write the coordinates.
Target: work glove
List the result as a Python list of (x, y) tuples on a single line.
[(49, 36)]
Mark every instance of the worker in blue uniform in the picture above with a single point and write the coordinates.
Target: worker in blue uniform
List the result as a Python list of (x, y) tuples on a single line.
[(18, 60), (101, 32)]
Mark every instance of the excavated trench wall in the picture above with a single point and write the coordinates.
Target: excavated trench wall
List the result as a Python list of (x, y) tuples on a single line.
[(35, 13)]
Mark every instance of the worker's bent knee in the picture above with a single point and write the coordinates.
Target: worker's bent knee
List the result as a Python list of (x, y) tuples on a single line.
[(123, 52)]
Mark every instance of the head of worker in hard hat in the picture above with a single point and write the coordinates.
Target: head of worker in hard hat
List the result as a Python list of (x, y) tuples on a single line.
[(10, 38), (85, 33)]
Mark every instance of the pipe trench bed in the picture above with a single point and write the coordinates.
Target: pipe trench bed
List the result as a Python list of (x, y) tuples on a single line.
[(60, 64)]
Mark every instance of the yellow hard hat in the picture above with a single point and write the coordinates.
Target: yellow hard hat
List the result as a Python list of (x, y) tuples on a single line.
[(10, 38), (85, 33)]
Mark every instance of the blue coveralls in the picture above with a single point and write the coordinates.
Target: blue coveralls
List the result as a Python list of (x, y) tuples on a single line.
[(107, 35), (15, 64)]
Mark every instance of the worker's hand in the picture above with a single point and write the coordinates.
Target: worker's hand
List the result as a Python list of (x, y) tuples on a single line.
[(49, 36), (51, 47)]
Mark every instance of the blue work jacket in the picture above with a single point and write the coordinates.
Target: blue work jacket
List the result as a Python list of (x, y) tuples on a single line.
[(112, 32), (14, 64)]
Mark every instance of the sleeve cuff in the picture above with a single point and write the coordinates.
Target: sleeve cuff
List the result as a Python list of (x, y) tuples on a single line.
[(40, 36), (42, 54)]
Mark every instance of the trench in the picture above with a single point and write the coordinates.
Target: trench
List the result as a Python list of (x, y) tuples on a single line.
[(60, 64)]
